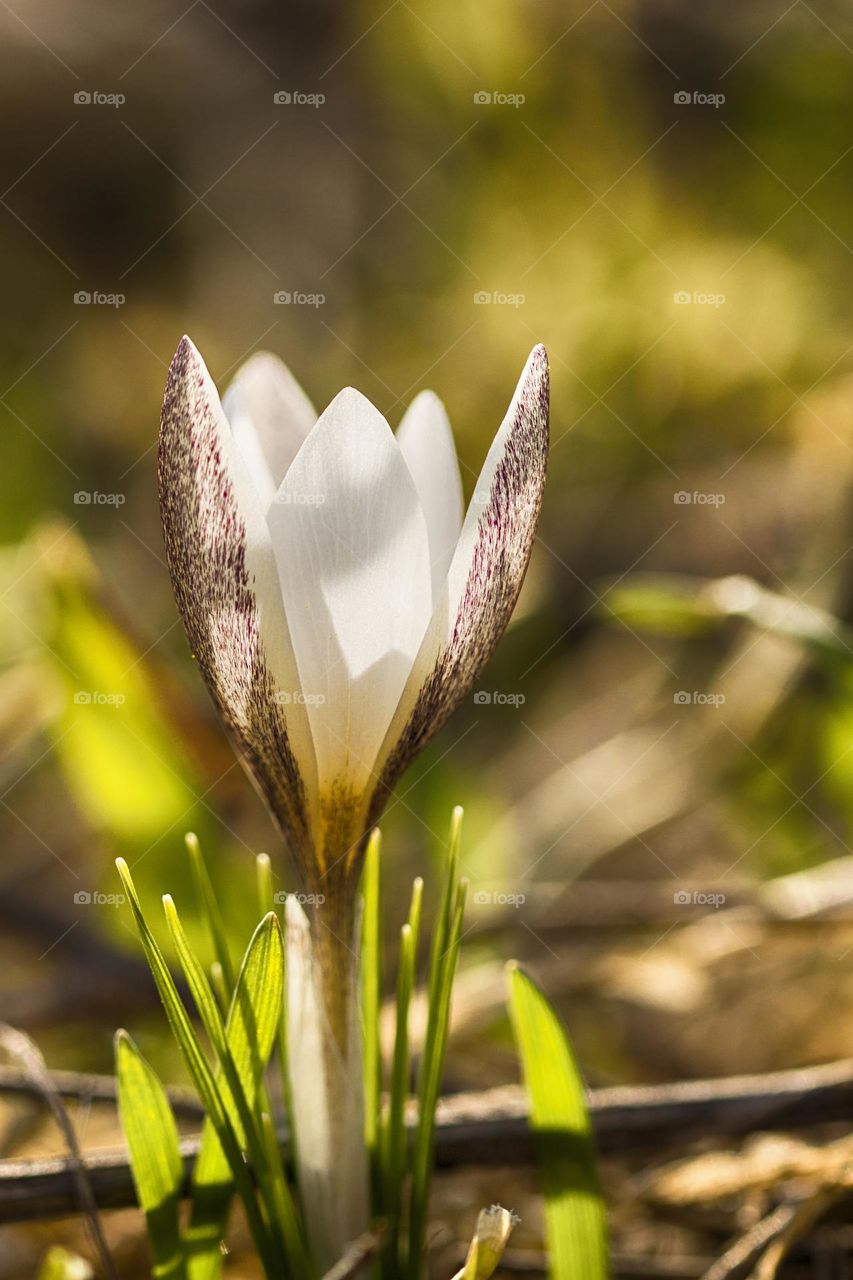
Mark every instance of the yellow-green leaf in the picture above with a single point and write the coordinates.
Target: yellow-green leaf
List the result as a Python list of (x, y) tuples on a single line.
[(155, 1157), (574, 1209)]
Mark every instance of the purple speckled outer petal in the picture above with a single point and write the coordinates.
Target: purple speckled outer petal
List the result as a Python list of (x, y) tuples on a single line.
[(226, 588), (485, 577)]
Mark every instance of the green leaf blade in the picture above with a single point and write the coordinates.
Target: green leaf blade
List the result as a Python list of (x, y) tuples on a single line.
[(210, 910), (155, 1157), (250, 1034), (371, 999), (445, 953), (202, 1074), (574, 1208)]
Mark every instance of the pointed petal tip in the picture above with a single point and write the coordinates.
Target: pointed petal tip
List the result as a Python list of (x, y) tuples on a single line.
[(427, 398), (350, 399), (261, 357), (188, 384), (533, 394), (186, 363), (260, 362), (186, 349), (349, 409), (537, 362)]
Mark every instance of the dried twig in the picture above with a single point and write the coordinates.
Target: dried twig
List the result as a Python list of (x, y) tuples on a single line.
[(22, 1048), (355, 1257), (491, 1128), (740, 1257), (806, 1214)]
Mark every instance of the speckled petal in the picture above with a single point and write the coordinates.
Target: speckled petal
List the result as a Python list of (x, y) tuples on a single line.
[(485, 577), (226, 585)]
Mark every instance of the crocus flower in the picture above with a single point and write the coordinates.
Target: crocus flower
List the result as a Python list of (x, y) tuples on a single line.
[(339, 606)]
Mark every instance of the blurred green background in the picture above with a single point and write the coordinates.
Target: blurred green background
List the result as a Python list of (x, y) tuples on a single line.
[(659, 192)]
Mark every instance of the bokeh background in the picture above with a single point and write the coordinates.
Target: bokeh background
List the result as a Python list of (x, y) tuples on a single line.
[(659, 192)]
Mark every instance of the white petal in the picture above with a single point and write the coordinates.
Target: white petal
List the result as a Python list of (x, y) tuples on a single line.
[(484, 580), (426, 440), (226, 585), (351, 544), (270, 416)]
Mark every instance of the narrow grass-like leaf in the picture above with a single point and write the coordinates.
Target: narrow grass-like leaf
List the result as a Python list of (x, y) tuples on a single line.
[(210, 912), (250, 1032), (441, 931), (240, 1110), (202, 1076), (155, 1157), (283, 1201), (574, 1209), (442, 970), (268, 898), (394, 1134), (371, 997)]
